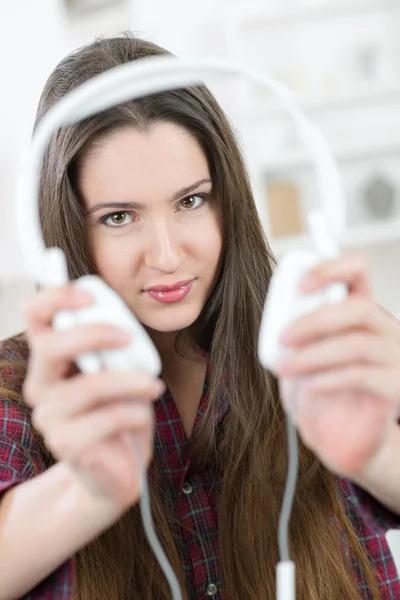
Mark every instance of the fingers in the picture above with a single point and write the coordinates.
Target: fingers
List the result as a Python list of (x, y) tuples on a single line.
[(53, 351), (79, 413), (68, 439), (85, 392), (355, 312), (40, 310), (382, 383), (345, 429), (348, 268), (340, 351)]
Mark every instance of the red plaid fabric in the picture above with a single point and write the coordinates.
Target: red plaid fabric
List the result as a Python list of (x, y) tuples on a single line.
[(194, 494)]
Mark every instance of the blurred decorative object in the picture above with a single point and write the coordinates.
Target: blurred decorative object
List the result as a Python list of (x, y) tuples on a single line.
[(368, 58), (81, 7), (374, 63), (285, 215), (379, 197)]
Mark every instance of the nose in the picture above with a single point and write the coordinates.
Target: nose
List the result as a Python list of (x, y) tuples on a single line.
[(164, 249)]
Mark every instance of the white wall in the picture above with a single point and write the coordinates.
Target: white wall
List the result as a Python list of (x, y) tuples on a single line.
[(34, 36)]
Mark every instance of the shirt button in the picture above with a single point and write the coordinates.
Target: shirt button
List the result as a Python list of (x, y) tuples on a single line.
[(187, 489), (212, 589)]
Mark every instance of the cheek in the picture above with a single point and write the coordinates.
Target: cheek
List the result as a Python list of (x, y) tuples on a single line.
[(214, 246), (216, 233), (112, 260), (211, 242)]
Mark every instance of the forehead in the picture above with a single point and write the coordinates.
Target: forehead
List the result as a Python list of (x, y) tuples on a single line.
[(153, 163)]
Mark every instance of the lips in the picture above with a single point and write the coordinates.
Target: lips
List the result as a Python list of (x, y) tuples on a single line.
[(169, 288), (170, 294)]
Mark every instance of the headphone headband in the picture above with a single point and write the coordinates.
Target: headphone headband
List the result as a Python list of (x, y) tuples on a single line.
[(134, 80)]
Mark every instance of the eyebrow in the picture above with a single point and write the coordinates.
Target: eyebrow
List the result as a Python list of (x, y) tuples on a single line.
[(137, 206)]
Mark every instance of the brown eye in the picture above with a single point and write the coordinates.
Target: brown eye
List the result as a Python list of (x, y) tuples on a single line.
[(194, 202), (118, 218), (188, 202)]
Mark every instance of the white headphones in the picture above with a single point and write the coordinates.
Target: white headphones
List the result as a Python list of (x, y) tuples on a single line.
[(284, 302)]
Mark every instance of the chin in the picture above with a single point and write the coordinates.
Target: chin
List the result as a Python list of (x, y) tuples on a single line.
[(167, 322)]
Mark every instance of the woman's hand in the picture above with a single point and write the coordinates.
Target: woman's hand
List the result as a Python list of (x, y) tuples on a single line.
[(346, 359), (89, 421)]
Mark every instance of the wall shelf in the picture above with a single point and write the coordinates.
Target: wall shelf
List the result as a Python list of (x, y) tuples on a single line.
[(321, 11), (361, 236), (85, 7), (368, 95), (298, 159)]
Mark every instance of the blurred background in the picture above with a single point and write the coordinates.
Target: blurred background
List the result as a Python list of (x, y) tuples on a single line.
[(340, 57)]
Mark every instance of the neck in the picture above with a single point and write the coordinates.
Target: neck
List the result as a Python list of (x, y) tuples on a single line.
[(182, 373), (166, 344)]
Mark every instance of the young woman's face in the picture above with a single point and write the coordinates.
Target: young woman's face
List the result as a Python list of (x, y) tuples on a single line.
[(154, 222)]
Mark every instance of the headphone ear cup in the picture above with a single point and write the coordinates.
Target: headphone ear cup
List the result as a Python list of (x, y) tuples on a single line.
[(336, 292), (64, 319), (109, 308), (285, 303), (90, 363), (67, 319)]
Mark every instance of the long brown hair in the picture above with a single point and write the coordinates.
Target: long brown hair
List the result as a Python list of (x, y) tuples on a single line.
[(249, 451)]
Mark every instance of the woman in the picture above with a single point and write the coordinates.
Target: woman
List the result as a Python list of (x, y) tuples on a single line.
[(153, 196)]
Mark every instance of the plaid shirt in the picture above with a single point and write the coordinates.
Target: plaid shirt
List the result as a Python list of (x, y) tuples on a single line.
[(195, 499)]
